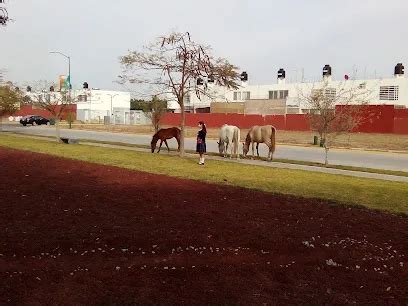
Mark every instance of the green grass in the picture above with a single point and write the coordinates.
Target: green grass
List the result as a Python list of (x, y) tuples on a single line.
[(279, 160), (374, 194)]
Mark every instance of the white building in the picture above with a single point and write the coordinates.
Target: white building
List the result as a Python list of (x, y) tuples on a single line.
[(390, 91), (95, 104)]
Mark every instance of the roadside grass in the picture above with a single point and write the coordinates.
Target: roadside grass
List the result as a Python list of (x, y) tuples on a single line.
[(370, 193), (278, 160)]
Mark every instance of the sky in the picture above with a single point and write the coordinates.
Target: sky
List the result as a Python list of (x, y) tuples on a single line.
[(367, 37)]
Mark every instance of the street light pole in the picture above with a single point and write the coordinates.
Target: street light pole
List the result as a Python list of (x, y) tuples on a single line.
[(69, 65), (111, 108), (69, 85)]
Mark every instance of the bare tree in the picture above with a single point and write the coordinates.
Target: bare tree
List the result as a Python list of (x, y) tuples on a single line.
[(4, 18), (335, 110), (56, 103), (176, 65), (10, 99)]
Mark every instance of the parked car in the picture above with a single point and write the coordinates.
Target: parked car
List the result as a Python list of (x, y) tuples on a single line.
[(34, 120)]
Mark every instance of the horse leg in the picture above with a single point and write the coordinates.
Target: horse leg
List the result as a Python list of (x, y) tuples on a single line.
[(257, 148), (165, 142), (226, 150), (253, 145), (161, 142), (271, 152), (232, 148)]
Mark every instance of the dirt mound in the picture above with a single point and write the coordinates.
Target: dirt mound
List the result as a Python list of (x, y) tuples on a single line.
[(79, 233)]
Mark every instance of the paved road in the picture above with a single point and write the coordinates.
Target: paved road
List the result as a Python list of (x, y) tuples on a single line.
[(378, 160)]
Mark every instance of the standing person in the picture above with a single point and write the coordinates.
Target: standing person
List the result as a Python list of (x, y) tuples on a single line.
[(201, 146)]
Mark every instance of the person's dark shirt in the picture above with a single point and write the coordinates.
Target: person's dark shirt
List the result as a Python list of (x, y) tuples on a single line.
[(201, 135)]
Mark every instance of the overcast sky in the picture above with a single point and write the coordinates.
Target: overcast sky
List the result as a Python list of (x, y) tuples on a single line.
[(259, 36)]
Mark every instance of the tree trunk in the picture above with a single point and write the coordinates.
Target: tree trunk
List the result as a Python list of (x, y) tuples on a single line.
[(182, 127), (70, 118), (57, 130), (326, 159)]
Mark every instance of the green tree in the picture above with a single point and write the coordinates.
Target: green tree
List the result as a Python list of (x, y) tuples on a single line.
[(10, 99), (138, 104), (155, 111)]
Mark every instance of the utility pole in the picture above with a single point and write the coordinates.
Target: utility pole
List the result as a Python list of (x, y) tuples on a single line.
[(111, 108), (69, 84)]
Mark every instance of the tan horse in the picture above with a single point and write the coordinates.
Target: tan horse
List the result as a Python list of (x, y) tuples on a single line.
[(261, 134)]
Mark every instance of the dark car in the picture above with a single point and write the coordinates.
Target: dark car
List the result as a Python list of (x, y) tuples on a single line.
[(34, 120)]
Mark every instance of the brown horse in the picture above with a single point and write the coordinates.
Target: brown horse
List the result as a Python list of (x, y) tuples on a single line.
[(163, 135), (261, 134)]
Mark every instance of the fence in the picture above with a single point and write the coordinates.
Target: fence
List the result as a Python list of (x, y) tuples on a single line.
[(27, 110), (377, 119)]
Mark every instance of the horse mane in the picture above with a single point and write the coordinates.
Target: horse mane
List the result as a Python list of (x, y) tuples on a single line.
[(155, 137)]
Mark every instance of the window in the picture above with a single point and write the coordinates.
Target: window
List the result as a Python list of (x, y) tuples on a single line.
[(330, 93), (187, 99), (273, 95), (246, 95), (283, 94), (389, 93), (237, 95), (82, 98), (278, 94)]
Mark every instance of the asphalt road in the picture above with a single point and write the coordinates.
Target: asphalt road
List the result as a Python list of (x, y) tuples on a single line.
[(357, 158)]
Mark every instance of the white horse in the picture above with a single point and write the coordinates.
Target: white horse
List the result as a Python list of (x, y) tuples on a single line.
[(230, 136)]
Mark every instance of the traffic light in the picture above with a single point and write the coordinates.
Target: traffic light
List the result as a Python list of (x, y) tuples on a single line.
[(85, 85)]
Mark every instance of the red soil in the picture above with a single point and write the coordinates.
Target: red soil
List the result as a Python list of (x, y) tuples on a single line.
[(79, 233)]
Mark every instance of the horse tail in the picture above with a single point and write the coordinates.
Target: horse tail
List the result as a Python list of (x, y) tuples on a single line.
[(178, 132), (273, 140), (238, 141)]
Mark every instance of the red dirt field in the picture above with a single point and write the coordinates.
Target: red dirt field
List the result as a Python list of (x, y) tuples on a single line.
[(75, 233)]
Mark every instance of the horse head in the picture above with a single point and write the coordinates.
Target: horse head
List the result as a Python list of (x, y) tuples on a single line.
[(221, 145), (153, 144), (245, 148)]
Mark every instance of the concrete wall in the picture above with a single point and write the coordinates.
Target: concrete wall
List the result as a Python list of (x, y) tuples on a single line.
[(227, 108), (265, 107)]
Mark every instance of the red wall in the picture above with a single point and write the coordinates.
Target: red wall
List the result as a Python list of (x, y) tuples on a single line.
[(401, 121), (28, 110), (297, 123), (377, 119)]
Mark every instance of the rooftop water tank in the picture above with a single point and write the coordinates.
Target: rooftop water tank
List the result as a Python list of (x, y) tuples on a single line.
[(399, 70), (327, 71), (281, 73)]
